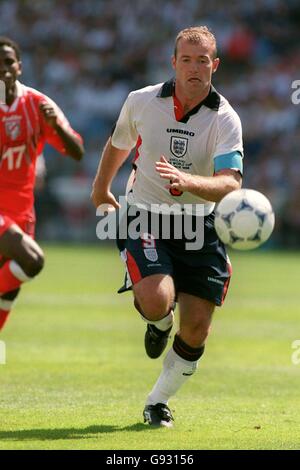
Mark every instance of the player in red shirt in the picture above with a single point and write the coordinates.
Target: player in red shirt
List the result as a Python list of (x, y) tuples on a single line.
[(28, 120)]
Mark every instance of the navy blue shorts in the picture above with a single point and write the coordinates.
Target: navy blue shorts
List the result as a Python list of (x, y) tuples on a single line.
[(204, 273)]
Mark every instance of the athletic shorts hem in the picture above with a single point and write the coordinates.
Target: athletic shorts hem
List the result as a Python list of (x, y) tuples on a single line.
[(127, 289), (215, 300)]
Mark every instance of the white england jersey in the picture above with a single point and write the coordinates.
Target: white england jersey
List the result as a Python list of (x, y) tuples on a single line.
[(209, 130)]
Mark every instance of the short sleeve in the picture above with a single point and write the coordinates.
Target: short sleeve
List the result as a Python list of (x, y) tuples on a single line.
[(229, 134), (125, 133)]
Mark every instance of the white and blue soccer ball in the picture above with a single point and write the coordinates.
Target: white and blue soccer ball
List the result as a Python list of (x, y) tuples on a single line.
[(244, 219)]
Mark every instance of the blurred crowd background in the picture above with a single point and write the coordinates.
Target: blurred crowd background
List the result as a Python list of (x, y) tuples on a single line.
[(88, 55)]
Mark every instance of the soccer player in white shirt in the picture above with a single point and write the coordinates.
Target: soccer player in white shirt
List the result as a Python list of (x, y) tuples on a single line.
[(188, 151)]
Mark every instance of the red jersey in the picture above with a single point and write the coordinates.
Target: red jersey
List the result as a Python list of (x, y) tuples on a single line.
[(23, 134)]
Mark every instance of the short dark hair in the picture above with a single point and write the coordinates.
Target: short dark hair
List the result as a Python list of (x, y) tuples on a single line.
[(4, 41)]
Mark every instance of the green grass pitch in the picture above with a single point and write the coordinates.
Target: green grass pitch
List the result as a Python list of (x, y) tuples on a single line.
[(77, 376)]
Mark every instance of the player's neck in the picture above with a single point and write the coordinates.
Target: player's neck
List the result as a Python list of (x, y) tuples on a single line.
[(187, 101), (11, 94)]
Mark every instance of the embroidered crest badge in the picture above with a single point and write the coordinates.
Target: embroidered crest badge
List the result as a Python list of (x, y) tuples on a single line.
[(178, 146), (13, 128)]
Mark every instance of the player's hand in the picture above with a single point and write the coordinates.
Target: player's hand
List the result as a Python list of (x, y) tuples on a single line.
[(49, 113), (105, 199), (177, 179)]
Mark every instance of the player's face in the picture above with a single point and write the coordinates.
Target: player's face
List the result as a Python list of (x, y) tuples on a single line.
[(194, 66), (10, 66)]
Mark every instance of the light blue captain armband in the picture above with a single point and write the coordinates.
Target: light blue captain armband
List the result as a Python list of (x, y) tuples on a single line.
[(229, 160)]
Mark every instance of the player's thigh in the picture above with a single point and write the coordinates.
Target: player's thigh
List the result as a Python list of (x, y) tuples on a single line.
[(10, 233), (195, 318)]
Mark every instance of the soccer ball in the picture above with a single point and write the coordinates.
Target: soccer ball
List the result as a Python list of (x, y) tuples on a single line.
[(244, 219)]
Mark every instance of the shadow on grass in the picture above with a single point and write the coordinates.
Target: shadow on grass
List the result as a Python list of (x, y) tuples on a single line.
[(67, 433)]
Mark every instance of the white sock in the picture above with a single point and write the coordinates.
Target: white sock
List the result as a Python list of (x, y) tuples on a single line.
[(175, 373), (6, 305), (164, 323)]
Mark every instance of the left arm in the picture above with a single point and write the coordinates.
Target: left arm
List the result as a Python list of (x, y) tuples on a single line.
[(210, 188), (72, 144)]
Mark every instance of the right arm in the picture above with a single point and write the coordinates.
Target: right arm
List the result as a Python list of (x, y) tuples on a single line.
[(111, 161), (124, 138), (58, 131)]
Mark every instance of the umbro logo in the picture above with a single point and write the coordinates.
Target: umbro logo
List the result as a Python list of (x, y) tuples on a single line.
[(217, 281), (181, 131)]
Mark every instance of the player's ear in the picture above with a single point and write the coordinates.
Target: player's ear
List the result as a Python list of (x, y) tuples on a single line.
[(215, 64), (173, 61), (19, 73)]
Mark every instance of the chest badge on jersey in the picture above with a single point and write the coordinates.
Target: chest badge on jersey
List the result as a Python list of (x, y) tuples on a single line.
[(178, 146), (13, 127)]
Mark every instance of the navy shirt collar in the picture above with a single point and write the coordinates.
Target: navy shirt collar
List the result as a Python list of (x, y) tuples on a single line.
[(212, 100)]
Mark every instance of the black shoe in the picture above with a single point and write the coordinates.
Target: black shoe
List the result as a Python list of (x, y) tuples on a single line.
[(158, 415), (155, 341)]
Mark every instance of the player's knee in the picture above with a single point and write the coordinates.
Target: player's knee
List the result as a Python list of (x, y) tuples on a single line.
[(153, 308), (34, 265), (154, 296), (197, 334)]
